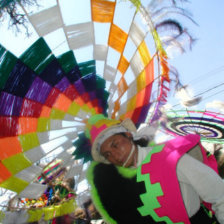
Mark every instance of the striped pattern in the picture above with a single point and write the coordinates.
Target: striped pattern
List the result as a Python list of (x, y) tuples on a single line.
[(45, 97)]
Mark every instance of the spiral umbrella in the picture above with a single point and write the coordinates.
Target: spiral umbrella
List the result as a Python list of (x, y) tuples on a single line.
[(208, 124)]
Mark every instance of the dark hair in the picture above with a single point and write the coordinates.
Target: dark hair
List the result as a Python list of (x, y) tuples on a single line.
[(143, 142), (86, 205), (90, 216), (71, 182)]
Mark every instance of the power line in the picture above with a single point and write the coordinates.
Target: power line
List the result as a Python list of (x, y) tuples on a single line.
[(207, 75), (208, 90), (213, 95)]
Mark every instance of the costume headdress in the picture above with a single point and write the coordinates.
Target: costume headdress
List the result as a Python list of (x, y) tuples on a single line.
[(99, 128)]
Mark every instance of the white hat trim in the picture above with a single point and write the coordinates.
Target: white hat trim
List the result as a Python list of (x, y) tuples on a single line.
[(127, 124), (108, 133)]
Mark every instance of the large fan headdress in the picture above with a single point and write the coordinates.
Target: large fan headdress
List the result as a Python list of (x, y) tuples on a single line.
[(46, 96)]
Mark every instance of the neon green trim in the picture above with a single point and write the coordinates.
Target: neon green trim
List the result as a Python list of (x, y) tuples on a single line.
[(149, 199), (127, 172), (95, 195)]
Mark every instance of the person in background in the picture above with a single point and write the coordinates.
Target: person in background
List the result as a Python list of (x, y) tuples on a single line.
[(91, 213)]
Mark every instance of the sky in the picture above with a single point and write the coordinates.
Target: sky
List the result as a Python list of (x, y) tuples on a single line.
[(202, 68)]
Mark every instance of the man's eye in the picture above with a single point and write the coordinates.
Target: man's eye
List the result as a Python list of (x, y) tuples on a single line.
[(114, 144), (107, 154)]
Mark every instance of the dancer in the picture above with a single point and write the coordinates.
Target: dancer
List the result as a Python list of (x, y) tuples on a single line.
[(135, 183)]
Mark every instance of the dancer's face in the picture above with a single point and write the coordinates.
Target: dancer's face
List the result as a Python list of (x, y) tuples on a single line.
[(117, 148)]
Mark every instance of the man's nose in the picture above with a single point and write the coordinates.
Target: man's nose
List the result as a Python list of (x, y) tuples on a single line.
[(115, 154)]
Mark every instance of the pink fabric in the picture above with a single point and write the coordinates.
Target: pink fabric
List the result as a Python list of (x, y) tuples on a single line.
[(162, 169), (214, 115), (96, 131)]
